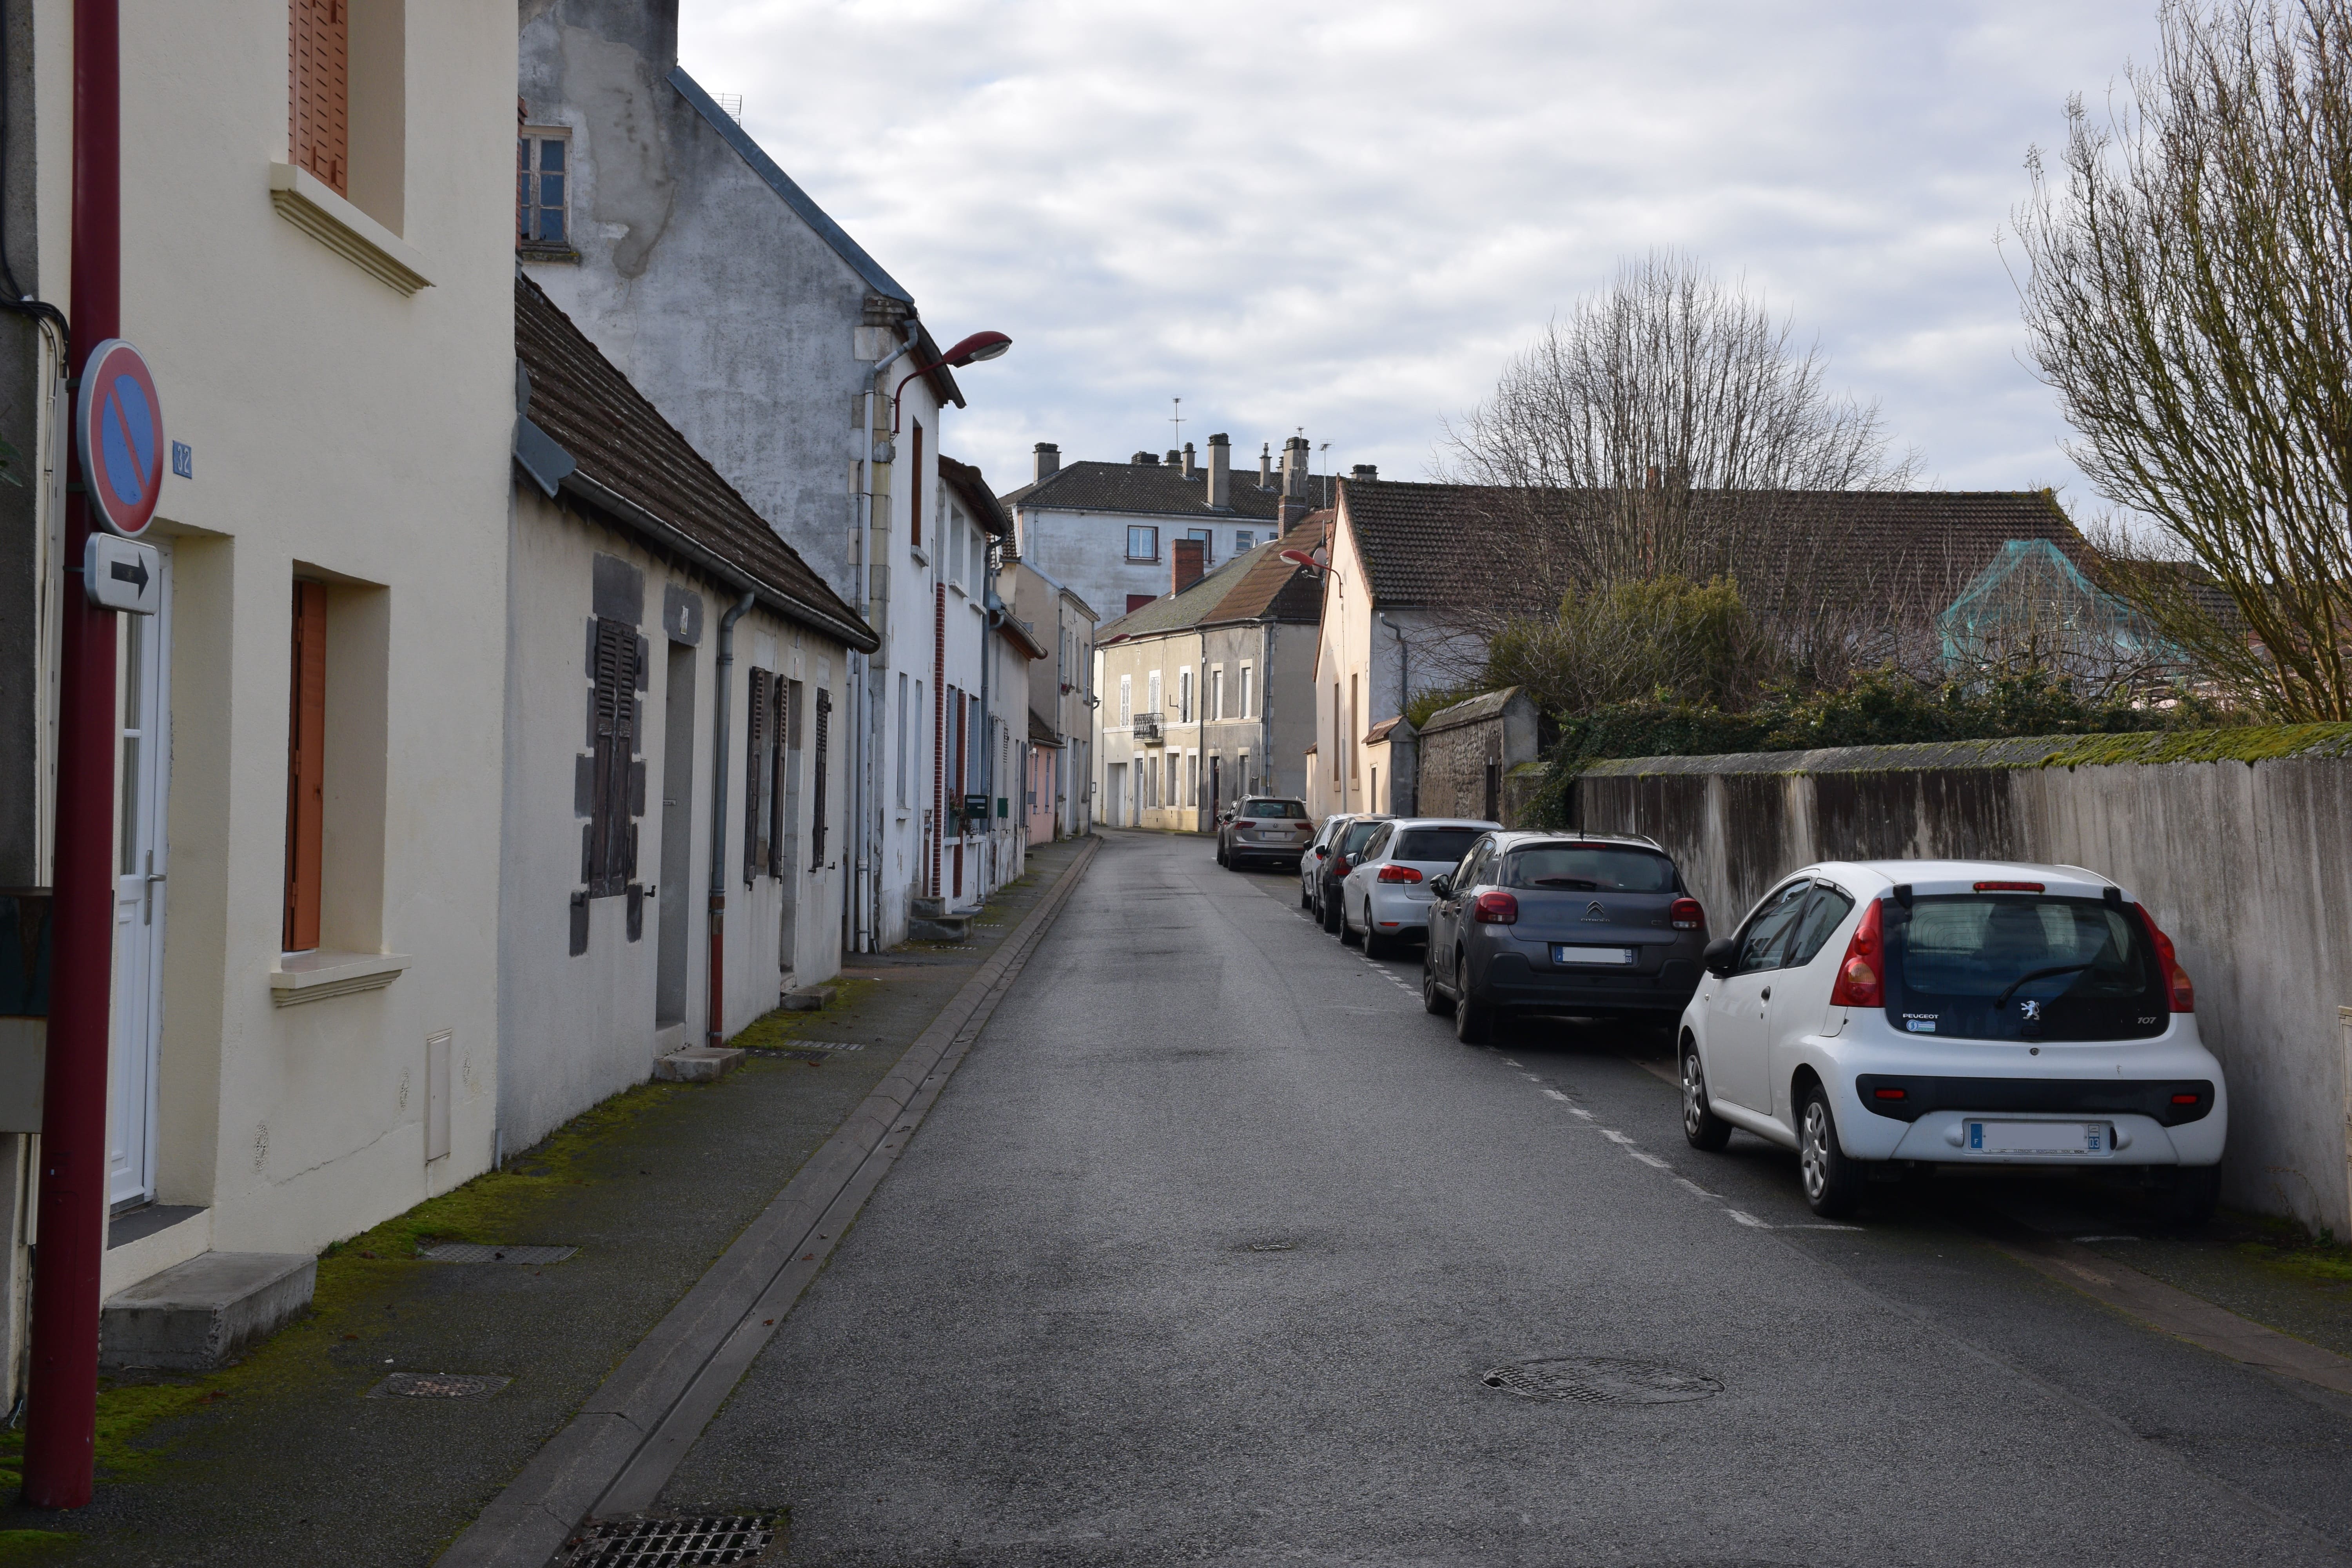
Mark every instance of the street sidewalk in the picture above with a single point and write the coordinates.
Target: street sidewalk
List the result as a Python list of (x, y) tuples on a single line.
[(297, 1455)]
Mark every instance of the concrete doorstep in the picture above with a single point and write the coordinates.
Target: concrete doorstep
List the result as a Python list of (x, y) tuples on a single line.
[(198, 1315), (627, 1439)]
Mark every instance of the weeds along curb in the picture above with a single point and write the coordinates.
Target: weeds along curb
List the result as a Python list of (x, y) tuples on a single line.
[(616, 1454)]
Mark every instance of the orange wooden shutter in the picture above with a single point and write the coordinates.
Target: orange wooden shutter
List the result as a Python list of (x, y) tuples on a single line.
[(319, 73), (306, 768)]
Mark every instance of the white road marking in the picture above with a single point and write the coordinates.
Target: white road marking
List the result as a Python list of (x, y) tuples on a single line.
[(1579, 1111), (1510, 1063), (1817, 1227), (1693, 1188), (1749, 1220), (1555, 1094)]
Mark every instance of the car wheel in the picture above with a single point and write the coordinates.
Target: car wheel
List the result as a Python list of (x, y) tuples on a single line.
[(1333, 921), (1701, 1125), (1832, 1182), (1305, 898), (2191, 1195), (1375, 944), (1349, 935), (1433, 1000), (1220, 855), (1474, 1021)]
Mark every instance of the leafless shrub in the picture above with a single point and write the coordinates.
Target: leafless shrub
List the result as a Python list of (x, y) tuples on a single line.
[(2189, 294)]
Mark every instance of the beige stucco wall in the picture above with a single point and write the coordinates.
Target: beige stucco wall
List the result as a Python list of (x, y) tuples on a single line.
[(359, 435), (577, 1029)]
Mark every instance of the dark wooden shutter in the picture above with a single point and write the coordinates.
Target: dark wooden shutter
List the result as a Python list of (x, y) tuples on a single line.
[(915, 489), (816, 796), (319, 73), (779, 762), (757, 775), (306, 769), (613, 713)]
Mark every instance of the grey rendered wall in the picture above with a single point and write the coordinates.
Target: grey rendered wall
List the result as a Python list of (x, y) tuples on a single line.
[(2247, 866)]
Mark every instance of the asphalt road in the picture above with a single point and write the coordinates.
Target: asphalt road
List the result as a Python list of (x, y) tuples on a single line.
[(1214, 1244)]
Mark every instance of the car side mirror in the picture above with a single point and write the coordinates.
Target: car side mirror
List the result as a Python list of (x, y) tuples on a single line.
[(1719, 956), (1442, 884), (1322, 852)]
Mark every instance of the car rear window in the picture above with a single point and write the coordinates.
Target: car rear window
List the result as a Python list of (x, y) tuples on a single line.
[(1278, 810), (1445, 844), (1588, 868), (1358, 834), (2022, 967)]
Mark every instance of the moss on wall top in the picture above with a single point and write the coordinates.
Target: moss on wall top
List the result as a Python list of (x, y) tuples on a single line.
[(2250, 744)]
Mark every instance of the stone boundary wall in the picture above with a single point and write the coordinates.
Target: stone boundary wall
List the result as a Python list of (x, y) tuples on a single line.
[(2238, 841)]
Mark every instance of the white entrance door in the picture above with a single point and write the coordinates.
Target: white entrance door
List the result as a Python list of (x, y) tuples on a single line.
[(142, 781)]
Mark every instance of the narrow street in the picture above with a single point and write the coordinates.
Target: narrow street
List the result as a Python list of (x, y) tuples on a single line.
[(1212, 1245)]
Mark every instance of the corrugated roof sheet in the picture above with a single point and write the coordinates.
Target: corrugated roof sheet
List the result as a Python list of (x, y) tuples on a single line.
[(620, 442)]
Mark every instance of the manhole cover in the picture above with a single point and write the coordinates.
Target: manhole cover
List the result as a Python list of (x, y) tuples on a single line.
[(1271, 1246), (1601, 1380), (665, 1542), (485, 1252), (436, 1385)]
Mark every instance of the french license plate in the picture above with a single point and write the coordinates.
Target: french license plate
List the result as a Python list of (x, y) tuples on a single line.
[(1621, 956), (2038, 1137)]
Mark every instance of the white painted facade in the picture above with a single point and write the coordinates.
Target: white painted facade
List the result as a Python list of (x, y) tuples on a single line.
[(759, 329)]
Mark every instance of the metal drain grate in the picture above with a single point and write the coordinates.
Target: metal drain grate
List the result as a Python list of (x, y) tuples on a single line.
[(483, 1252), (436, 1385), (1270, 1247), (1601, 1380), (822, 1045), (673, 1543)]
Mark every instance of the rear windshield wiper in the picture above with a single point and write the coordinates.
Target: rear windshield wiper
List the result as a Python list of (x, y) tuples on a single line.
[(2003, 1000), (1581, 884)]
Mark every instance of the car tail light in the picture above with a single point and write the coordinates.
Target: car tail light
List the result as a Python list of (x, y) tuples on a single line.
[(1496, 908), (2177, 985), (2008, 887), (1398, 874), (1686, 915), (1339, 866), (1858, 981)]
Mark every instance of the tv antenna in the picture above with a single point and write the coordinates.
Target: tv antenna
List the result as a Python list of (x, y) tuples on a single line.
[(1177, 419)]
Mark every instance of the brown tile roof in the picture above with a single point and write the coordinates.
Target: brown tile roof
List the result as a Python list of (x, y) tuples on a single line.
[(1155, 489), (978, 498), (1254, 585), (1437, 543), (627, 452)]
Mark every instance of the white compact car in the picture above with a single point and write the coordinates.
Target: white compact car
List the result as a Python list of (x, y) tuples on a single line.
[(1385, 897), (1954, 1013)]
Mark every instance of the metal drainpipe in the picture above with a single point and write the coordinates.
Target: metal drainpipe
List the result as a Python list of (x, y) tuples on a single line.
[(716, 1031), (1404, 693), (990, 620)]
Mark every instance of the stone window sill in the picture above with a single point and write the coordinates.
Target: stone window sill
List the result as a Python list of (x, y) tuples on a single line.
[(314, 976), (311, 205), (540, 251)]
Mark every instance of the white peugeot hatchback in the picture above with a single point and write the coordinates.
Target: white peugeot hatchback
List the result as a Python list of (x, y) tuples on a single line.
[(1954, 1013)]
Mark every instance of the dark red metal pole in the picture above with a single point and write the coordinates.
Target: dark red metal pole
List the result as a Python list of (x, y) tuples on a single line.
[(62, 1404)]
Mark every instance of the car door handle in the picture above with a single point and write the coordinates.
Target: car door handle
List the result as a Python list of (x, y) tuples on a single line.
[(1767, 995)]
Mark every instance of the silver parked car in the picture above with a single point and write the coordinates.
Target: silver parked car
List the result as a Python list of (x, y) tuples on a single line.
[(1267, 828), (1384, 899), (1310, 865)]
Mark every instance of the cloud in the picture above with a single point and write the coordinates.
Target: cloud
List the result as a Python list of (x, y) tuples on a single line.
[(1346, 217)]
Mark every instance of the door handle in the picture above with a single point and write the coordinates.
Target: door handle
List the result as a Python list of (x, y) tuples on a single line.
[(147, 911), (1767, 996)]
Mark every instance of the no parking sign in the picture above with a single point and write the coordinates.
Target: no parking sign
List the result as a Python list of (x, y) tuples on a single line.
[(119, 425)]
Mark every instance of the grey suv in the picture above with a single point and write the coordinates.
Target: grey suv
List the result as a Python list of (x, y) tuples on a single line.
[(1590, 924), (1268, 827)]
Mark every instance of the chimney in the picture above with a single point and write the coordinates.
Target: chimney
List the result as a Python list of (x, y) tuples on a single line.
[(1221, 473), (1049, 460), (1192, 468), (1265, 466), (1146, 460), (1187, 557), (1290, 511), (1296, 456), (1366, 473), (1175, 457)]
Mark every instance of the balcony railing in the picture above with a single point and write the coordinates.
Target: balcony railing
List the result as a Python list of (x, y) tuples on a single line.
[(1146, 730)]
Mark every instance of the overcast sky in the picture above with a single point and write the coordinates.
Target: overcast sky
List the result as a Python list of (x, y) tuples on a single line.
[(1347, 217)]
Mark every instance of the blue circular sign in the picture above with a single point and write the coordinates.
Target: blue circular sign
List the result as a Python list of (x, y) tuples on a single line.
[(119, 427)]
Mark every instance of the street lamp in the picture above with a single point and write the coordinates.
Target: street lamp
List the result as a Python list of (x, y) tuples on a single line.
[(973, 349)]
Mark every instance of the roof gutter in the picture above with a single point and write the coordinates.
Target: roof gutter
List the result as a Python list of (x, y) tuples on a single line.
[(854, 633)]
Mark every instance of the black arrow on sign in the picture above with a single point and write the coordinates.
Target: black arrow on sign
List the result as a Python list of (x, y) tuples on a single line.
[(132, 571)]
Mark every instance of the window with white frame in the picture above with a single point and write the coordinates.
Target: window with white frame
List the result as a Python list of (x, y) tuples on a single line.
[(1217, 692), (1151, 692), (1184, 695), (1126, 700), (544, 188), (1243, 542), (1142, 542), (1248, 695)]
